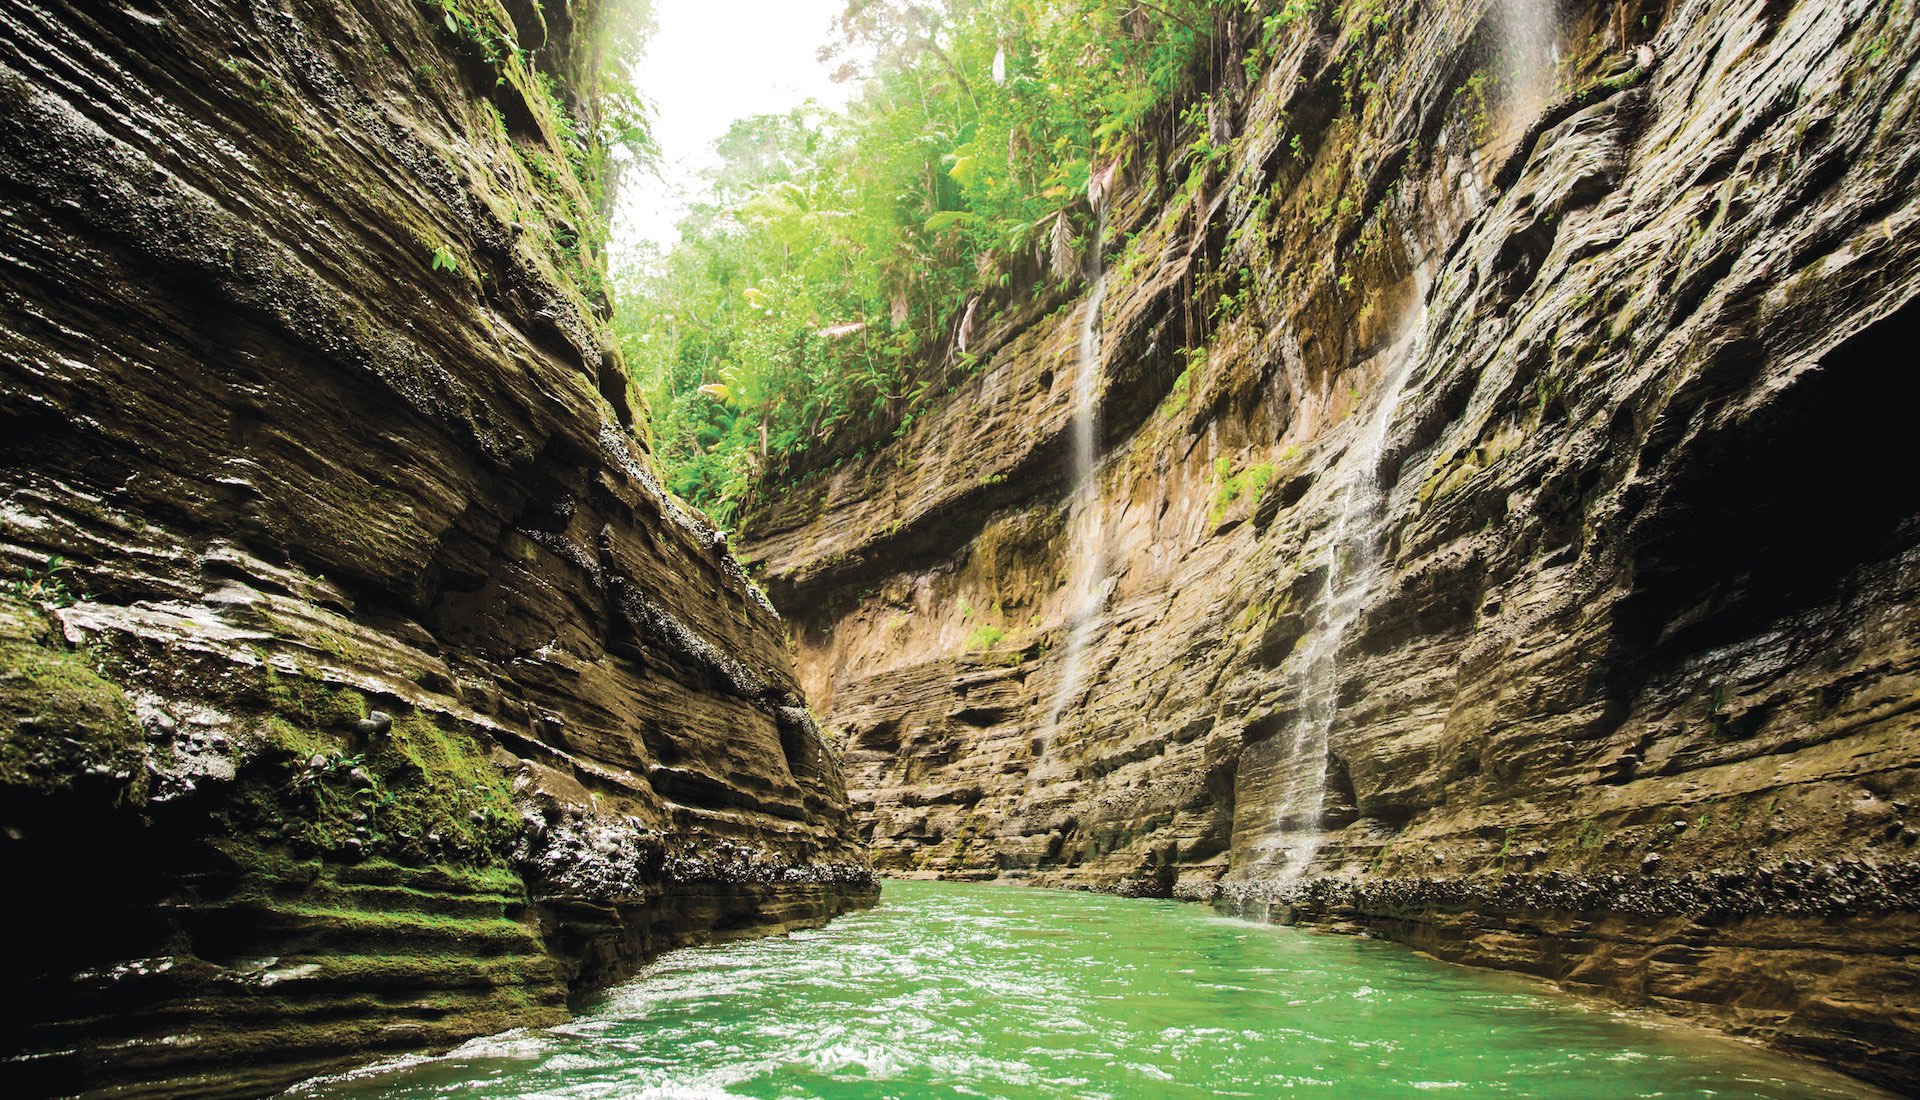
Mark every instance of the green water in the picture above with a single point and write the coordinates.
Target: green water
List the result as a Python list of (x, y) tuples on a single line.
[(981, 991)]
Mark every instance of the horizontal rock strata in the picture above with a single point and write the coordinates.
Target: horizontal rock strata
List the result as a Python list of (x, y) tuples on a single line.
[(1505, 541), (363, 691)]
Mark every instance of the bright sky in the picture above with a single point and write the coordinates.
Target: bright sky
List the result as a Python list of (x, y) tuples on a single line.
[(711, 62)]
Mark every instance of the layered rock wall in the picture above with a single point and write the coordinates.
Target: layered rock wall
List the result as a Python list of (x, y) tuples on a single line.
[(1503, 535), (363, 690)]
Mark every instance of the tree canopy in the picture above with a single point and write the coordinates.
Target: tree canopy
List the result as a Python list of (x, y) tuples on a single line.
[(834, 250)]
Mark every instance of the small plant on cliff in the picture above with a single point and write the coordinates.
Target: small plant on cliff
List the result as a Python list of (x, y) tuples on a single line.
[(54, 584), (985, 638), (443, 259), (1479, 113), (478, 26), (312, 776), (1590, 836), (1250, 483)]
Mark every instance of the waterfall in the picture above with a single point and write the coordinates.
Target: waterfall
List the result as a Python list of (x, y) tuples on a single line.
[(1087, 548), (1530, 51), (1352, 565)]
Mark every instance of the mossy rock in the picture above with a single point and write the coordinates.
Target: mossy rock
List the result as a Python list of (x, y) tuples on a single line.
[(414, 791), (62, 724)]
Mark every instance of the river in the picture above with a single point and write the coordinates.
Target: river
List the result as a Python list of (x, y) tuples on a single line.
[(949, 990)]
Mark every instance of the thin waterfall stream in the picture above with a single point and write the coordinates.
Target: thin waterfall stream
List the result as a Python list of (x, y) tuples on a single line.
[(1528, 32), (1087, 551), (1352, 565)]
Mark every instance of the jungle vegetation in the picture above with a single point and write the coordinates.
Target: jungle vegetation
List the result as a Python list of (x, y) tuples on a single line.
[(820, 288)]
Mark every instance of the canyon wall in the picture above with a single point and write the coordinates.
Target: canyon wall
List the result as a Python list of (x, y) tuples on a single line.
[(363, 691), (1503, 537)]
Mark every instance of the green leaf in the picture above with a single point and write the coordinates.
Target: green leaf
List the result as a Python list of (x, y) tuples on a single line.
[(947, 219), (963, 169)]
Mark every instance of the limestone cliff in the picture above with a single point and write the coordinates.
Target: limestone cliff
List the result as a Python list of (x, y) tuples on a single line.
[(1503, 536), (362, 689)]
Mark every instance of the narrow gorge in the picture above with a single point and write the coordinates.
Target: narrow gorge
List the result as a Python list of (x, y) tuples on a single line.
[(364, 691), (1504, 540), (1425, 471)]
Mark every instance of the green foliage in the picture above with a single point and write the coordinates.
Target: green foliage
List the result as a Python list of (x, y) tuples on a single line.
[(835, 252), (1250, 483), (54, 583), (1475, 95), (594, 124), (1181, 392), (1288, 13), (985, 637), (1590, 836), (1231, 304), (480, 26)]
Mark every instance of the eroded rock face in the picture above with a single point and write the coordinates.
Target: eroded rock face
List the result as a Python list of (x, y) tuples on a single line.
[(380, 696), (1597, 659)]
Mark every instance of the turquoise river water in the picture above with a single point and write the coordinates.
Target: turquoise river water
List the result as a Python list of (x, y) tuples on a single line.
[(950, 990)]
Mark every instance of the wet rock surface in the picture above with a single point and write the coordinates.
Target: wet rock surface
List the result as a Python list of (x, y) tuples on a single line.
[(1628, 699), (362, 689)]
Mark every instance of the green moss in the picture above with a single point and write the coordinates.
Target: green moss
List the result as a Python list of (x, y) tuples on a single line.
[(302, 744), (1177, 397), (441, 782), (451, 941), (416, 792), (1250, 483), (1262, 611), (337, 646), (423, 928), (60, 720), (313, 705)]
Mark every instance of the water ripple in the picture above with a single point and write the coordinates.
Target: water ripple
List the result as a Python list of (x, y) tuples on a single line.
[(978, 991)]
